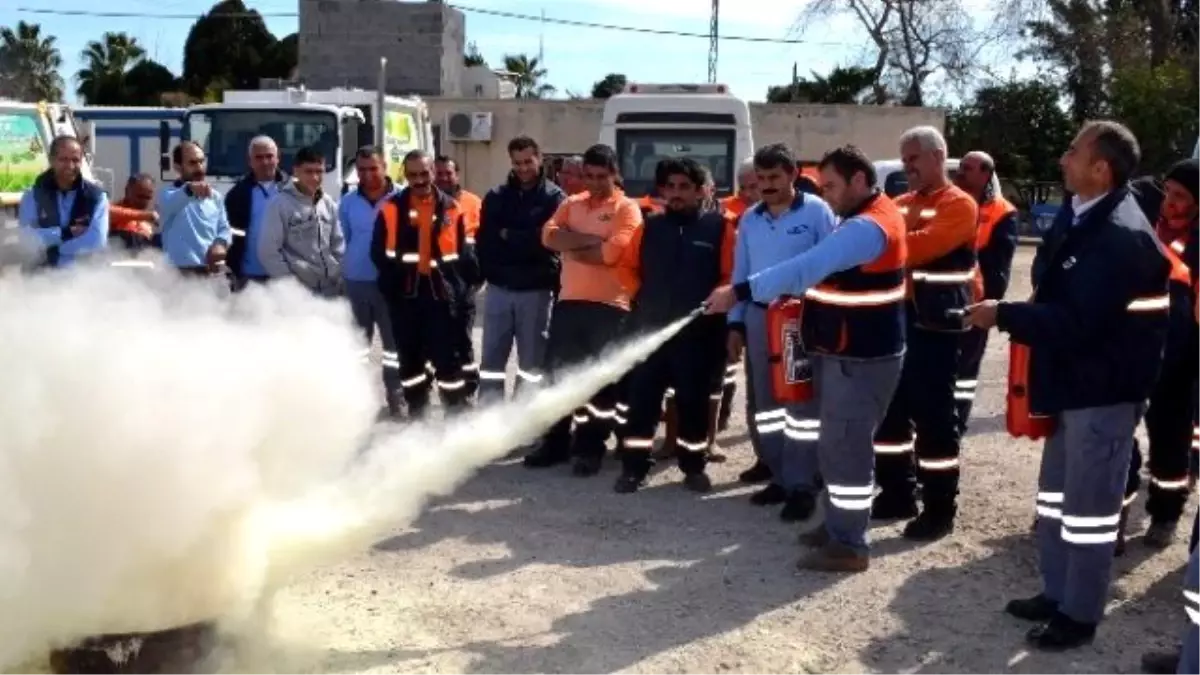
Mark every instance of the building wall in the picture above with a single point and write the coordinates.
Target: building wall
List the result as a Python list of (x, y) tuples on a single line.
[(340, 42), (562, 127)]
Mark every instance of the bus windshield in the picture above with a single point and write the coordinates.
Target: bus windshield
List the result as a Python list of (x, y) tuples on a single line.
[(225, 136), (640, 150)]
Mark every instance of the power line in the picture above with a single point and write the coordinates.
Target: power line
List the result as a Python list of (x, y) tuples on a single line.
[(462, 8)]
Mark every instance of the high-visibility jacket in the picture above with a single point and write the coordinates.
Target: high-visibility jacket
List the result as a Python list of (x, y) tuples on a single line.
[(941, 227), (1181, 335), (737, 205), (859, 313), (449, 263), (649, 205), (995, 244)]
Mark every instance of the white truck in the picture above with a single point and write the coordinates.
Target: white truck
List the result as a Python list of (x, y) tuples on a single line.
[(646, 123), (337, 121), (26, 130), (125, 141)]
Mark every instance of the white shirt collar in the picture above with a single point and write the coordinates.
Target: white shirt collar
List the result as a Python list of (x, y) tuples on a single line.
[(1080, 208)]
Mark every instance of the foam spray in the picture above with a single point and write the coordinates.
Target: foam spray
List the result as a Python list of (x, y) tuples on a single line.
[(167, 456)]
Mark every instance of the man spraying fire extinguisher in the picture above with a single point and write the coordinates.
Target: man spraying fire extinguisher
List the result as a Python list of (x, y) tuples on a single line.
[(853, 330), (784, 224)]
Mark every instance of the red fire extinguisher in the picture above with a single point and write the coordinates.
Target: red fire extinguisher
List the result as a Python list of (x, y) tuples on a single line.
[(1022, 421), (791, 372)]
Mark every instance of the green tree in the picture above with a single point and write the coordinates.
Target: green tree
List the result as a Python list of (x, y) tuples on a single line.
[(609, 85), (150, 83), (229, 44), (1159, 106), (1072, 40), (282, 58), (530, 76), (1020, 123), (101, 80), (473, 57), (840, 86), (29, 64)]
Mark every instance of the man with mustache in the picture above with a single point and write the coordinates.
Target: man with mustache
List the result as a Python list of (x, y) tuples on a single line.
[(447, 180), (195, 229), (68, 215)]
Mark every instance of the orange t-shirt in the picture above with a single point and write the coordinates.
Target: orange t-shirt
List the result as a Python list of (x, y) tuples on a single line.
[(735, 205), (614, 219), (471, 206), (421, 217), (938, 223)]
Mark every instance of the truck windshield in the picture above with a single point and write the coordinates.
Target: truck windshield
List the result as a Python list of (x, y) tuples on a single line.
[(640, 150), (225, 136)]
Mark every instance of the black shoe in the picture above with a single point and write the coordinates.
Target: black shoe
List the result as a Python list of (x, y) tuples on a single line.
[(545, 457), (628, 483), (1037, 608), (697, 482), (886, 507), (587, 465), (1160, 534), (769, 496), (759, 473), (1060, 634), (931, 525), (1161, 663), (799, 507), (818, 538)]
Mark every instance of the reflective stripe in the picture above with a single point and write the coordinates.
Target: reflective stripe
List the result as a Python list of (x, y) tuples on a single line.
[(1178, 246), (1153, 304), (451, 385), (1191, 601), (943, 277), (1195, 439), (145, 264), (391, 253), (937, 464), (491, 375), (1090, 538), (694, 446), (802, 429), (893, 448), (470, 241), (925, 213), (237, 233), (580, 418), (528, 376), (1181, 484), (851, 497), (389, 360), (1091, 521), (411, 258), (770, 421), (414, 381), (600, 413), (716, 397), (964, 390), (449, 257), (638, 443), (1129, 500), (471, 367), (857, 298), (670, 392), (1049, 512)]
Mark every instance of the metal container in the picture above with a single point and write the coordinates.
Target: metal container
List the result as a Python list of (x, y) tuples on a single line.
[(177, 650)]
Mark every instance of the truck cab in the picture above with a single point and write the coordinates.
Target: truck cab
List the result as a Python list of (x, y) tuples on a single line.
[(26, 130), (646, 123)]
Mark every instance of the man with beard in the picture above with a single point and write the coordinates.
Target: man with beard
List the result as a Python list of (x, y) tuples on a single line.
[(446, 179), (426, 265), (357, 213), (675, 260), (853, 328), (67, 215), (591, 230), (195, 229), (245, 205), (995, 244)]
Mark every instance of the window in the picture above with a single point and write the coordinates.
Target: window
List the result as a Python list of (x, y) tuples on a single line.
[(639, 151), (895, 184), (225, 136)]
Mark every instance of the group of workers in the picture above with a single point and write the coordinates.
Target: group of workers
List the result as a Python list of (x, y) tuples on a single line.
[(898, 297)]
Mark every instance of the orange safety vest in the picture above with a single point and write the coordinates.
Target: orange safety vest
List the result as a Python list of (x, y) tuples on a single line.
[(859, 312), (402, 246), (649, 205)]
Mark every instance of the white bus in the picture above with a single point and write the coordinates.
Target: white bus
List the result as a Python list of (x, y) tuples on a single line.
[(649, 122)]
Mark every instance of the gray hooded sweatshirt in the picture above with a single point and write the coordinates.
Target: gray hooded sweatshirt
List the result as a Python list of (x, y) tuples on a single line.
[(300, 236)]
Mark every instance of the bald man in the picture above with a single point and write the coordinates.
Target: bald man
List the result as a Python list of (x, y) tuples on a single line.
[(245, 205), (995, 244)]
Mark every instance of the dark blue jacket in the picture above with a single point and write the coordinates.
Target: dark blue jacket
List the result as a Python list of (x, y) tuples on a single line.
[(1097, 325), (517, 261)]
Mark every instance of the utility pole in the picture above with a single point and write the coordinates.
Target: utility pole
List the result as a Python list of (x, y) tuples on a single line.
[(542, 42), (712, 41)]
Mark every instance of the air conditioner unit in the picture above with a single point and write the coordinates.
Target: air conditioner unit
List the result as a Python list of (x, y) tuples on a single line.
[(469, 127)]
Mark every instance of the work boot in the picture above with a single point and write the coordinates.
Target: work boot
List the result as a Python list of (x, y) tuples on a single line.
[(759, 473), (1119, 549), (798, 507), (1161, 663), (629, 482), (771, 495), (1061, 633), (815, 538), (1037, 608), (697, 482), (930, 525), (1161, 533), (893, 507), (834, 557), (587, 465)]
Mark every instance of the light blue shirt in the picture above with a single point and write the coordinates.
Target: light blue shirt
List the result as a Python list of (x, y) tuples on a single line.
[(357, 215), (764, 241), (95, 238), (190, 225), (857, 241), (260, 194)]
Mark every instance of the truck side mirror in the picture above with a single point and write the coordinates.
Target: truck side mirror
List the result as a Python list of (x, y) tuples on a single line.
[(164, 148)]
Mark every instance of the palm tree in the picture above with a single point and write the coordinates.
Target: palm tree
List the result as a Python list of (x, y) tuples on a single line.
[(530, 76), (29, 64), (106, 62)]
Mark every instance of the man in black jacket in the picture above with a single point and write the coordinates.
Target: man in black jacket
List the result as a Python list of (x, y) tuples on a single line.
[(244, 206), (521, 274), (1096, 327)]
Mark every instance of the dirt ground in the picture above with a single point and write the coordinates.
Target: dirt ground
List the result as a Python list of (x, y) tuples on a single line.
[(525, 571)]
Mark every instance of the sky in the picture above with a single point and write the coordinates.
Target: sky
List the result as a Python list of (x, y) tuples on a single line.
[(574, 57)]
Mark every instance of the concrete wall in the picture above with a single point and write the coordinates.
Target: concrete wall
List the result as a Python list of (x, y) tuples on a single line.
[(571, 126), (340, 42)]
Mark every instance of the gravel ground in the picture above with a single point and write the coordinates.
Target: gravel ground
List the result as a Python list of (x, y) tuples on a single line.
[(526, 571)]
